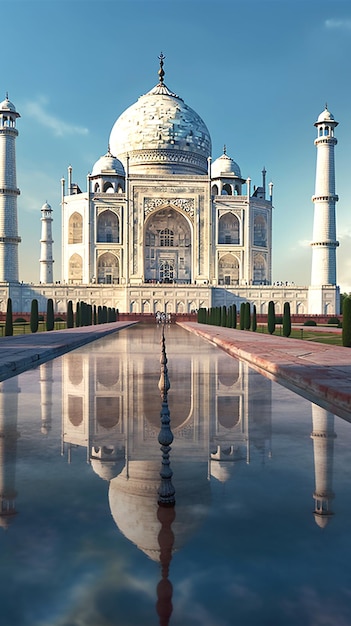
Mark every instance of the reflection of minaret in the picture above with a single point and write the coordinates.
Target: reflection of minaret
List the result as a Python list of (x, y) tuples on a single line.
[(9, 391), (46, 380), (323, 436)]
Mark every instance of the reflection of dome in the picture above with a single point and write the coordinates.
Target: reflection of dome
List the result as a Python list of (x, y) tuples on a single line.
[(221, 470), (6, 519), (322, 520), (133, 502), (224, 165), (107, 470), (161, 132), (108, 164)]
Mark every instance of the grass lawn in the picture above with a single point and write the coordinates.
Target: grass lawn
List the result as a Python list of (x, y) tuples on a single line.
[(307, 334)]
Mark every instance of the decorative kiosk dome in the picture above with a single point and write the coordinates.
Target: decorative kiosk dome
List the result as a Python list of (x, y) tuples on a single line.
[(161, 134), (223, 166), (108, 164)]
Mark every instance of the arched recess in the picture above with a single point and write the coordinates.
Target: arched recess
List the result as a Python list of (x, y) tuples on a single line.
[(228, 270), (108, 269), (228, 411), (228, 377), (167, 250), (259, 270), (75, 410), (215, 190), (75, 228), (107, 371), (228, 229), (108, 187), (260, 231), (300, 308), (75, 368), (96, 188), (107, 411), (107, 227), (75, 269), (180, 307), (227, 190)]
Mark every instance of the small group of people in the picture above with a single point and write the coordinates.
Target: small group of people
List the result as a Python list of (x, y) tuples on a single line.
[(163, 318)]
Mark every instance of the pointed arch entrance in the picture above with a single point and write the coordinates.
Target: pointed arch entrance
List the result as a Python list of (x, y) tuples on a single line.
[(167, 248)]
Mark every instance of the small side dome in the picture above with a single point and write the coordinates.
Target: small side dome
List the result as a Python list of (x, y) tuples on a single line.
[(223, 166), (108, 164)]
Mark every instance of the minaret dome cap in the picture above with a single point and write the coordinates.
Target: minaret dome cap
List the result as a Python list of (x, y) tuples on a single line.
[(46, 207), (6, 105), (326, 116)]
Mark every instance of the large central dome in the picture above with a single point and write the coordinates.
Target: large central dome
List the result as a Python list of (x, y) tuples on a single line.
[(161, 134)]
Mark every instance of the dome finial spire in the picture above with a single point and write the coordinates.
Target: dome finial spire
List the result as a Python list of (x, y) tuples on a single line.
[(161, 72), (224, 149)]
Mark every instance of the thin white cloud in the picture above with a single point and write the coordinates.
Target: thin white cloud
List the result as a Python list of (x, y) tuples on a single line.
[(38, 111), (344, 24)]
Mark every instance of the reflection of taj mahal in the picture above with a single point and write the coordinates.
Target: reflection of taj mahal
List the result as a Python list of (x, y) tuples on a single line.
[(161, 226)]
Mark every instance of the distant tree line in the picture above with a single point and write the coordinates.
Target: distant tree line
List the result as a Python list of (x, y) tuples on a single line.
[(85, 315)]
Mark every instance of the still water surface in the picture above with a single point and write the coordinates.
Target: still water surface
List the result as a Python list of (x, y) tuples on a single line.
[(260, 534)]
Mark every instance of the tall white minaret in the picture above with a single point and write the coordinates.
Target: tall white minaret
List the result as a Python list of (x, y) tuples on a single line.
[(46, 241), (9, 238), (324, 242)]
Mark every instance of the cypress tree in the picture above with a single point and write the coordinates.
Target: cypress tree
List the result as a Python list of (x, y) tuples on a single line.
[(235, 315), (254, 319), (247, 316), (94, 315), (78, 314), (224, 316), (8, 322), (286, 320), (70, 317), (90, 315), (50, 320), (242, 316), (346, 322), (99, 315), (34, 316), (271, 317)]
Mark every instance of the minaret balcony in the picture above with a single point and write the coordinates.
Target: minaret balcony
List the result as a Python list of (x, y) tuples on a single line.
[(330, 198)]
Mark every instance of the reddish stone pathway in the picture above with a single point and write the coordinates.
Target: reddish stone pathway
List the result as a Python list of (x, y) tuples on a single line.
[(22, 352), (319, 372)]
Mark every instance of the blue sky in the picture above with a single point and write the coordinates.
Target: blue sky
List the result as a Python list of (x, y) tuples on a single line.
[(258, 72)]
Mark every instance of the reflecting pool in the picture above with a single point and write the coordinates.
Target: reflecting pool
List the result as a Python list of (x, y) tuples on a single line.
[(260, 533)]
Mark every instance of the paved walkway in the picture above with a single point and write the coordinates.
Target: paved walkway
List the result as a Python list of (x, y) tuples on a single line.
[(22, 352), (319, 372)]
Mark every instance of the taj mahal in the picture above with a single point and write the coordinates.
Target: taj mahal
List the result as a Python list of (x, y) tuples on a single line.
[(162, 226)]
